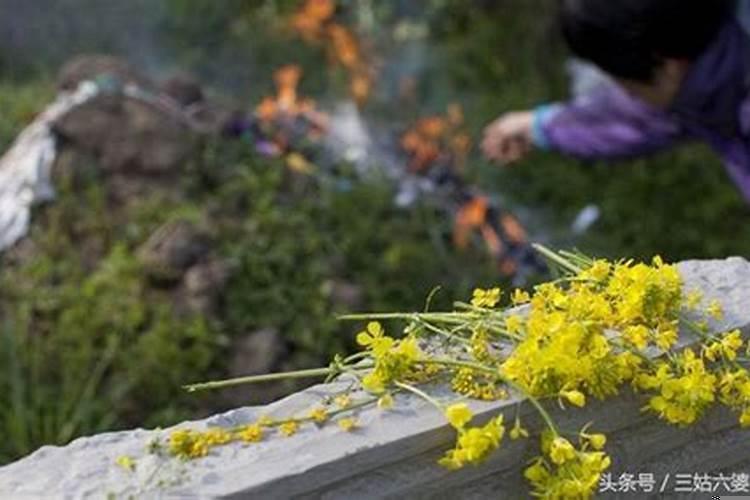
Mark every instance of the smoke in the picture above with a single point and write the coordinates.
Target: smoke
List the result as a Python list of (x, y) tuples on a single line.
[(42, 34)]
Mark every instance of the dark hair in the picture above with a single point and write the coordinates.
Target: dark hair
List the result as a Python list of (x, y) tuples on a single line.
[(630, 38)]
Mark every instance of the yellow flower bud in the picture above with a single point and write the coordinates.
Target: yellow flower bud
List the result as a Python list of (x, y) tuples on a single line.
[(598, 441), (576, 398), (385, 402), (126, 463), (458, 415), (347, 424), (561, 450)]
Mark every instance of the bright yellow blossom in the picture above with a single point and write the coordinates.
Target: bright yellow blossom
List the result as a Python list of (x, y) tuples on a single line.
[(126, 462), (519, 297), (574, 397), (385, 402), (474, 444), (745, 418), (458, 415), (486, 298), (598, 441), (347, 424), (319, 414), (251, 433), (561, 450), (693, 299), (514, 323), (715, 310), (289, 428), (343, 401)]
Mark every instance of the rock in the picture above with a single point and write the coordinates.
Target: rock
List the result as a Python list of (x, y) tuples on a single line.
[(344, 296), (203, 284), (127, 135), (172, 249), (392, 454), (22, 252), (258, 352), (93, 66), (183, 88)]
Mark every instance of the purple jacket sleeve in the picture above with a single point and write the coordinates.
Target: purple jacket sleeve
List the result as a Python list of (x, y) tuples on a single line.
[(605, 124)]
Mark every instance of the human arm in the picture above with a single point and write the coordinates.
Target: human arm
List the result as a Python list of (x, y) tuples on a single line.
[(608, 123)]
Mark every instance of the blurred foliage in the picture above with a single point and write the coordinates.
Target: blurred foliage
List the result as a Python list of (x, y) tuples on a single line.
[(299, 241), (19, 103), (89, 344)]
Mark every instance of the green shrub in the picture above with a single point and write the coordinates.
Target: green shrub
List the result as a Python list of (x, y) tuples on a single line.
[(89, 344)]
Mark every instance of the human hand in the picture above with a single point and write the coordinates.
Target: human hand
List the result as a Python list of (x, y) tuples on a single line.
[(509, 138)]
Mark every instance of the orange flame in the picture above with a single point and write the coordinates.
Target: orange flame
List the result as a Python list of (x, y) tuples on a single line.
[(308, 21), (314, 23), (435, 137), (471, 216), (286, 104), (474, 216), (287, 78)]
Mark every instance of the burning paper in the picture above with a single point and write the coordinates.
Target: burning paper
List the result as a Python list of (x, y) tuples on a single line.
[(25, 167)]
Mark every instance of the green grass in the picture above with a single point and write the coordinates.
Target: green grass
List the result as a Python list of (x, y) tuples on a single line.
[(89, 344)]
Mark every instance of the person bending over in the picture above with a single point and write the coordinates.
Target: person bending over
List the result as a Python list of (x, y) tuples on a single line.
[(679, 71)]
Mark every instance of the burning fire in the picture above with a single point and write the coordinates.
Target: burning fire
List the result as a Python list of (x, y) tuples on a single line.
[(437, 139), (314, 22), (500, 232), (440, 142), (434, 145), (287, 104), (285, 119)]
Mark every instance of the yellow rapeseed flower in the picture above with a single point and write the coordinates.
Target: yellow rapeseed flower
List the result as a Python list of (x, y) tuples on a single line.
[(520, 297), (514, 323), (217, 436), (458, 415), (265, 421), (343, 401), (574, 397), (251, 433), (598, 441), (693, 299), (289, 428), (385, 402), (518, 432), (318, 414), (126, 462), (486, 298), (715, 310), (561, 450), (348, 424), (745, 418)]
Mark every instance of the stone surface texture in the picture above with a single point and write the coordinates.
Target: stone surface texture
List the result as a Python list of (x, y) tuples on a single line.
[(393, 453)]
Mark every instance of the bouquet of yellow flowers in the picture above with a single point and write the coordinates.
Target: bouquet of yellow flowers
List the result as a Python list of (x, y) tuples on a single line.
[(600, 327)]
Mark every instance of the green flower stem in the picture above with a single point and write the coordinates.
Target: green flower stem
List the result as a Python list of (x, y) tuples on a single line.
[(579, 258), (473, 308), (448, 335), (254, 379), (440, 317), (625, 347), (709, 338), (420, 393), (475, 366), (356, 357), (330, 414), (557, 259)]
